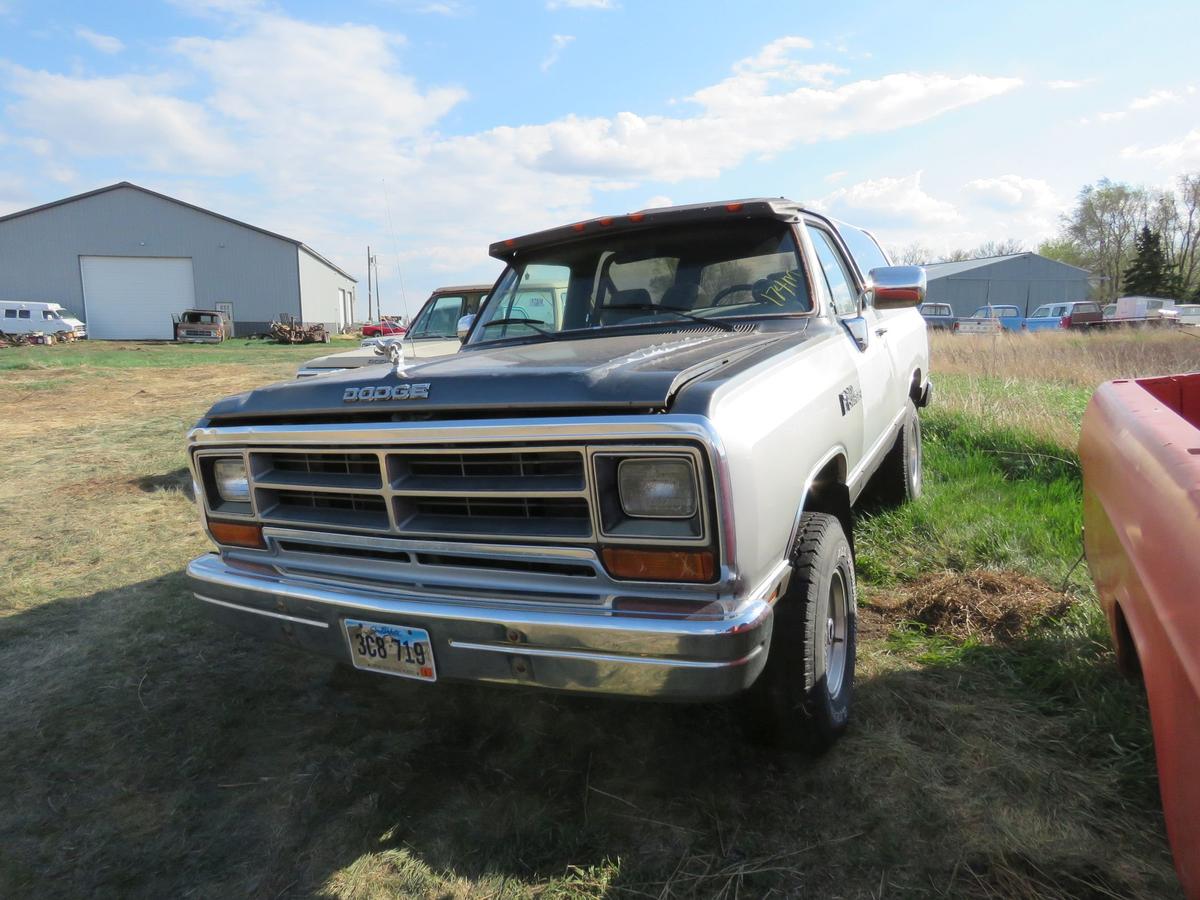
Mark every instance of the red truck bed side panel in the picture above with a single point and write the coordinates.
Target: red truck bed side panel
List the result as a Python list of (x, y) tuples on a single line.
[(1141, 511)]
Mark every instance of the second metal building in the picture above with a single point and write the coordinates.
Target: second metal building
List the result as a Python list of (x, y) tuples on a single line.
[(1024, 280)]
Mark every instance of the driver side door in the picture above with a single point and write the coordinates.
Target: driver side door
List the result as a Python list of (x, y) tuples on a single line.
[(873, 361)]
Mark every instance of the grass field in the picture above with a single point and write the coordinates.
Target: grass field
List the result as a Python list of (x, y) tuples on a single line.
[(995, 751)]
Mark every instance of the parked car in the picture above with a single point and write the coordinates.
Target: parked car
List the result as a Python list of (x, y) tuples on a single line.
[(1054, 316), (383, 328), (1141, 516), (623, 495), (1188, 314), (938, 315), (434, 332), (991, 320), (202, 326), (32, 316)]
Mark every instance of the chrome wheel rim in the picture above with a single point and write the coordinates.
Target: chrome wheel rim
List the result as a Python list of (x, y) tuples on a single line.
[(836, 634), (914, 454)]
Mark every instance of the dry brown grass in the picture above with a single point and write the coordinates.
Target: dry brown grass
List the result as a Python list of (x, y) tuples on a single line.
[(1064, 357), (981, 605), (149, 753), (1040, 383)]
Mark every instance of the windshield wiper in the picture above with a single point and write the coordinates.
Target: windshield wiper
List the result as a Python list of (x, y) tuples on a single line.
[(651, 308), (532, 323)]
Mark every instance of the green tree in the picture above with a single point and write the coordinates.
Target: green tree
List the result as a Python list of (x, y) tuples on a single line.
[(1149, 274)]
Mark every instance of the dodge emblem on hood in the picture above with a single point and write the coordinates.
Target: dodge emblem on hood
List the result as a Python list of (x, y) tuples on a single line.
[(386, 392)]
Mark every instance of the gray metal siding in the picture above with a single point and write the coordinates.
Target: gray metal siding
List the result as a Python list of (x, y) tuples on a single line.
[(1025, 281), (39, 253), (319, 285)]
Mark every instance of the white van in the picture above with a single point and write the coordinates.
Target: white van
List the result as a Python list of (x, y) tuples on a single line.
[(28, 316)]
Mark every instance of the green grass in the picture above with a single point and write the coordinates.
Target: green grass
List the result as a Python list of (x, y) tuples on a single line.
[(150, 753), (137, 355)]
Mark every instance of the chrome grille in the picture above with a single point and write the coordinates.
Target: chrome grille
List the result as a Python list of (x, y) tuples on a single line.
[(430, 492)]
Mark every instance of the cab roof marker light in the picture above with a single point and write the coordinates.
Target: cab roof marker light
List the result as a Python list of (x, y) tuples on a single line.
[(579, 226), (733, 207), (607, 220), (636, 217)]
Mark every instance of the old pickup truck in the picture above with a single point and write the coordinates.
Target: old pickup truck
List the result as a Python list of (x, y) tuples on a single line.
[(643, 487), (990, 320), (1140, 451)]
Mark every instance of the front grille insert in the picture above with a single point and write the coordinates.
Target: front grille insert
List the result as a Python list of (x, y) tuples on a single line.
[(518, 516), (486, 472), (366, 511), (348, 471), (434, 492)]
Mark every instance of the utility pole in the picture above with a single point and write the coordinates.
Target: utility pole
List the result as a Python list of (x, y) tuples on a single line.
[(369, 319), (378, 293)]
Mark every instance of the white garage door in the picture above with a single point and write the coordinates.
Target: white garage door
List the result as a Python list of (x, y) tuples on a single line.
[(133, 297)]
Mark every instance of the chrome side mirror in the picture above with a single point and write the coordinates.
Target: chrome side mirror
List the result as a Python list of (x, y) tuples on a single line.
[(897, 287), (464, 326), (859, 330)]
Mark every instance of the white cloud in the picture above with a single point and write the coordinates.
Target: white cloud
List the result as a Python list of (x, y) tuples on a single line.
[(580, 4), (105, 43), (131, 116), (1149, 101), (657, 201), (835, 177), (1016, 206), (558, 43), (339, 146), (891, 200), (1065, 85), (1180, 153), (1153, 99)]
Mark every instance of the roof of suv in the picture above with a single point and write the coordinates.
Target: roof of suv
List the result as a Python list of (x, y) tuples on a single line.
[(758, 208)]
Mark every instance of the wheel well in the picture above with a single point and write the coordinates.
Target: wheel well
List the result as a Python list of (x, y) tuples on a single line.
[(914, 387), (1127, 655), (828, 494)]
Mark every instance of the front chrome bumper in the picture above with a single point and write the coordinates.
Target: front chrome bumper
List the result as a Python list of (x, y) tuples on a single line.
[(586, 652)]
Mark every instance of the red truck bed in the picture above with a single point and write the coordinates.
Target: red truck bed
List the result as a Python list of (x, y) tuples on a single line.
[(1140, 450)]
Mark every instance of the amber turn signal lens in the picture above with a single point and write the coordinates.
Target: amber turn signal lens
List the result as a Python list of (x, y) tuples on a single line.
[(235, 534), (659, 565)]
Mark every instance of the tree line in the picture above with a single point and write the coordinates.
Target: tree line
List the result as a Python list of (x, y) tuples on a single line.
[(1135, 240)]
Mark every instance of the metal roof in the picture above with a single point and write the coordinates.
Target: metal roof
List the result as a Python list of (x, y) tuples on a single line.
[(208, 212), (946, 269)]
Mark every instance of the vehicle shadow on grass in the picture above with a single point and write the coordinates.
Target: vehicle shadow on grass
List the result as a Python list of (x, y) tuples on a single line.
[(151, 753)]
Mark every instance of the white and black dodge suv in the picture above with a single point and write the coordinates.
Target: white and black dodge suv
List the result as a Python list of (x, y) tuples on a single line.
[(636, 478)]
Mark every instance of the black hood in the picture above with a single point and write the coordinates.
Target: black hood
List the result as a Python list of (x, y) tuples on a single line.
[(629, 372)]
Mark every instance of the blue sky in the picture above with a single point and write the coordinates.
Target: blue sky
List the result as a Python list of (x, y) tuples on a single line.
[(429, 128)]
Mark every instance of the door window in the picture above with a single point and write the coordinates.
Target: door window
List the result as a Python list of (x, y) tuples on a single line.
[(837, 273), (439, 319), (1041, 312)]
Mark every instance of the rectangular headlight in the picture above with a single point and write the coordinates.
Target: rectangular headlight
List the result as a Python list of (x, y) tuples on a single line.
[(657, 488), (229, 475)]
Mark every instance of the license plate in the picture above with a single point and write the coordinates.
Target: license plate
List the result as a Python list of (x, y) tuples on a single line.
[(394, 649)]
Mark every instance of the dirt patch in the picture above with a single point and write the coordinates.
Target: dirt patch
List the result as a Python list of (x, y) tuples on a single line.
[(984, 605)]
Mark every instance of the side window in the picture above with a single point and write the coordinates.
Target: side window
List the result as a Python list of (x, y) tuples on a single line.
[(863, 247), (1041, 312), (837, 274), (23, 314), (439, 318), (10, 314)]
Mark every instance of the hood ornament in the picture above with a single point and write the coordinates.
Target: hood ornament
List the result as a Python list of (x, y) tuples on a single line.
[(394, 351)]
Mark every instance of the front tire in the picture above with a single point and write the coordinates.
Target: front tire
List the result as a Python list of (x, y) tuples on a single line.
[(802, 699)]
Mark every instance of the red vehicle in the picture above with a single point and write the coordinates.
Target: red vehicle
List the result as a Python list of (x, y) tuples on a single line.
[(1140, 450), (382, 329)]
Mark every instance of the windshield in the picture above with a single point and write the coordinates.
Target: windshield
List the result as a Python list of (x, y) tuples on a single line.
[(655, 279)]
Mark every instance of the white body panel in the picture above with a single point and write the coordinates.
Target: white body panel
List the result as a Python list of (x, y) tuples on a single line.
[(20, 317), (134, 297)]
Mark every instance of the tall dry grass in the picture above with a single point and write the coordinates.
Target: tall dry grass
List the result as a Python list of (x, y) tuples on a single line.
[(1084, 360), (1040, 383)]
